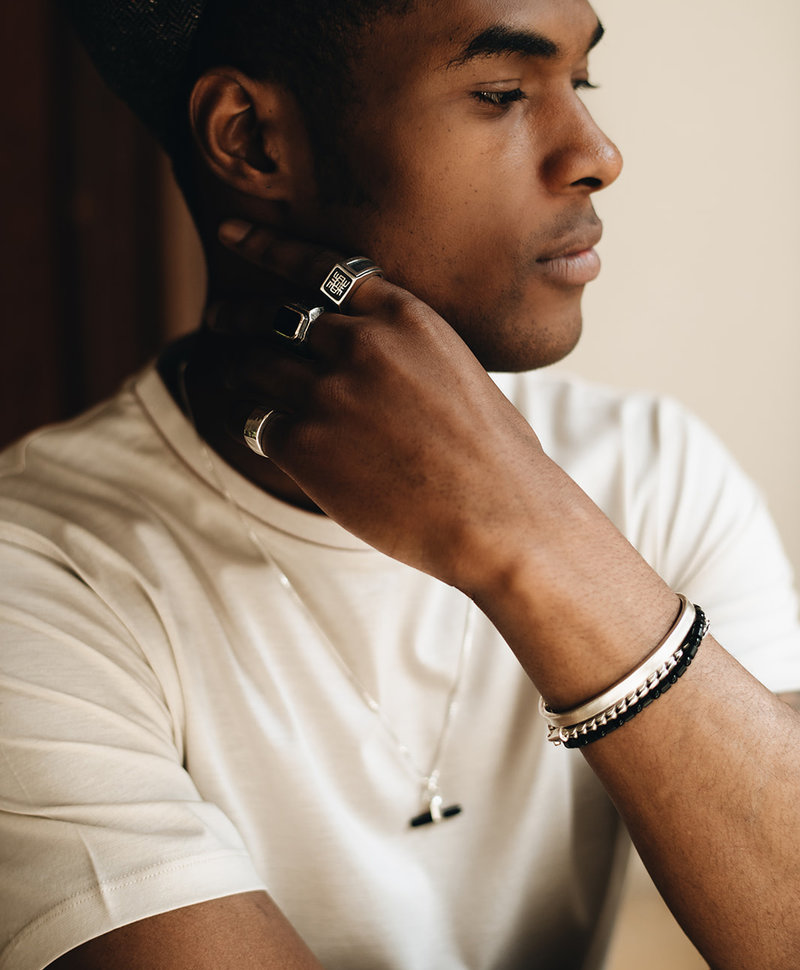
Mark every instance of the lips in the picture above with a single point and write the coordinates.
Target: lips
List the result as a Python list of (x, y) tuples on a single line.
[(573, 262)]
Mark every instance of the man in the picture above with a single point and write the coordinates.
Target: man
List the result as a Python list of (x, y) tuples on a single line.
[(252, 719)]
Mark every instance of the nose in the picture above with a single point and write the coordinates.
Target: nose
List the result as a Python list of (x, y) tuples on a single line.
[(581, 157)]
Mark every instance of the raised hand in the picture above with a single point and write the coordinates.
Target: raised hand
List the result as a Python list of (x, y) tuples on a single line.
[(383, 416)]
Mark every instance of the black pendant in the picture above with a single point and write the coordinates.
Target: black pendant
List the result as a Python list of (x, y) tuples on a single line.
[(435, 814)]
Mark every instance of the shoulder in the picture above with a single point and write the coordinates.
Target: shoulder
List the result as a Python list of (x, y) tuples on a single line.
[(81, 550), (102, 443), (673, 489), (97, 489), (627, 449), (572, 412)]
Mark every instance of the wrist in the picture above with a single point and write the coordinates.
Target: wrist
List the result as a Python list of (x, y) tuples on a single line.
[(572, 598)]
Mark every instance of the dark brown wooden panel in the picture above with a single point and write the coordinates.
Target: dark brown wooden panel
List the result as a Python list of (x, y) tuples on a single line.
[(30, 372), (81, 271)]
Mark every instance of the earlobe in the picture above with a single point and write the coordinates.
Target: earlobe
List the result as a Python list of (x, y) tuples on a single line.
[(239, 133)]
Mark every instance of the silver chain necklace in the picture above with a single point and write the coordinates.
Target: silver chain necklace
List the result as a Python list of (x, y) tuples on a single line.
[(433, 808)]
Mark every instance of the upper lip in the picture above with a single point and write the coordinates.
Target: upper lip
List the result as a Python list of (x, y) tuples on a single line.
[(576, 242)]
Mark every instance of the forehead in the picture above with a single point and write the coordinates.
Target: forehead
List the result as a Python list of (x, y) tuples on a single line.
[(435, 35)]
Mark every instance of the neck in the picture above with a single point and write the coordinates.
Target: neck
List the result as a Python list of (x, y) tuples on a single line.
[(190, 371)]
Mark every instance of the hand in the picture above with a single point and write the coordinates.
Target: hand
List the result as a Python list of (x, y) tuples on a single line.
[(389, 423), (394, 429)]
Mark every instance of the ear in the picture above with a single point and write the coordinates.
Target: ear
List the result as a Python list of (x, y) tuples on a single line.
[(250, 134)]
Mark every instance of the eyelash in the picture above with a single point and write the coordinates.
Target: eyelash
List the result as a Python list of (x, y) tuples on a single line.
[(502, 99)]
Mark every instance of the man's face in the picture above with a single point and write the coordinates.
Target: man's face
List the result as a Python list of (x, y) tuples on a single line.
[(471, 141)]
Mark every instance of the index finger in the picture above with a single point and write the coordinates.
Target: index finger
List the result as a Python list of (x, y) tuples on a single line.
[(307, 265)]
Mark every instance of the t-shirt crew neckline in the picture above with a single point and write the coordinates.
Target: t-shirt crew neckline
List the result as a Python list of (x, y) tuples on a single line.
[(179, 434)]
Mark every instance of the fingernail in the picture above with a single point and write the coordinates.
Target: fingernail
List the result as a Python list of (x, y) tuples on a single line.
[(233, 231)]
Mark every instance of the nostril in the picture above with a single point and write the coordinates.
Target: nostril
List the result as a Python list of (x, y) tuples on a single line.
[(590, 181)]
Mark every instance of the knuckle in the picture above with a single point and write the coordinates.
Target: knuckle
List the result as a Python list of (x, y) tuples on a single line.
[(407, 314), (299, 437), (366, 344), (328, 395), (399, 302)]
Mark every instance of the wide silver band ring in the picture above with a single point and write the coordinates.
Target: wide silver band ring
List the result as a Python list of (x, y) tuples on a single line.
[(293, 321), (255, 427), (345, 278)]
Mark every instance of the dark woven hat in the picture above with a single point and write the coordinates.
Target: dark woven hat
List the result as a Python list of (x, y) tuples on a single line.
[(143, 49)]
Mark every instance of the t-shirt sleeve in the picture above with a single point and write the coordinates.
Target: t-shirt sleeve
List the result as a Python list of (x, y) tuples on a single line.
[(709, 534), (100, 824), (676, 493)]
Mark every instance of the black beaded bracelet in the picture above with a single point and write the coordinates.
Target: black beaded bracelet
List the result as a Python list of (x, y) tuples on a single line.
[(690, 647)]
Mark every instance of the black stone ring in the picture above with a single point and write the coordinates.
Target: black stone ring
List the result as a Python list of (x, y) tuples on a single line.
[(293, 321)]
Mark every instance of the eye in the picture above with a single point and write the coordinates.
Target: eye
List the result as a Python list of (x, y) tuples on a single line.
[(499, 98), (583, 84)]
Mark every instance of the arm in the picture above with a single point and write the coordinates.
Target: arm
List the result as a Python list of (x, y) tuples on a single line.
[(106, 823), (706, 778), (245, 932)]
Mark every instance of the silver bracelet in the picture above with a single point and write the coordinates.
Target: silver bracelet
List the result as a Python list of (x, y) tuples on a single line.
[(635, 686), (642, 695)]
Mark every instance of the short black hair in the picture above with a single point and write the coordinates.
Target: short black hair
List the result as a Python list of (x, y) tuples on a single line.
[(308, 46), (151, 53)]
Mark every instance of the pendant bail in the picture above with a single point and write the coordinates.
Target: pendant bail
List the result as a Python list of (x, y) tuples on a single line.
[(436, 811)]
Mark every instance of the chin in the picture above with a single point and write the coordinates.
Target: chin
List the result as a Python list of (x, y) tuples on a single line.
[(530, 346)]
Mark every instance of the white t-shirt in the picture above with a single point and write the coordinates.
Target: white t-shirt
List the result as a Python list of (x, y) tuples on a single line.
[(175, 729)]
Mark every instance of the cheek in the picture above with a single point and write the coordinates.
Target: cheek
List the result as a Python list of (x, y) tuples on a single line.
[(461, 227), (444, 205)]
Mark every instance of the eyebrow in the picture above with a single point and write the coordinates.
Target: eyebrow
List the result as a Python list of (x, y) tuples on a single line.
[(499, 40)]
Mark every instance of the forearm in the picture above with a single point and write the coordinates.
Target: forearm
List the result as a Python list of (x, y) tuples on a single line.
[(706, 777), (245, 931), (573, 599), (707, 781)]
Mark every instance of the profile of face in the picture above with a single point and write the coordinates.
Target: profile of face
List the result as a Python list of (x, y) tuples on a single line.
[(468, 137)]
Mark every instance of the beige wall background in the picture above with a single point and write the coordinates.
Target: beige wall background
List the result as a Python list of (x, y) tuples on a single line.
[(700, 292)]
